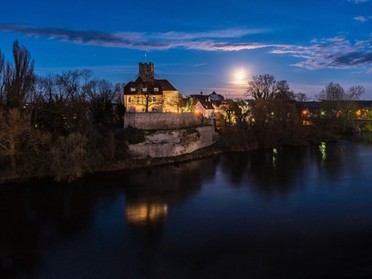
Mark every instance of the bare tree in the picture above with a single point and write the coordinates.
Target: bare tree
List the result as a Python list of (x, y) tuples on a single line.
[(149, 101), (332, 92), (17, 138), (2, 63), (335, 92), (300, 97), (72, 84), (265, 87), (172, 102), (283, 92), (101, 96), (262, 87), (19, 79), (338, 105), (355, 92)]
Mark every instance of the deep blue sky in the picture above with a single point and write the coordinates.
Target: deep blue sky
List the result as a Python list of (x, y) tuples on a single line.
[(199, 45)]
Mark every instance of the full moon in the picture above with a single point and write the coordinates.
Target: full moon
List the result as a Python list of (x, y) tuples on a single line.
[(240, 76)]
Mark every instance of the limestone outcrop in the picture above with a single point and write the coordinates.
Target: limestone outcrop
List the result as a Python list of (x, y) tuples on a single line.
[(170, 143)]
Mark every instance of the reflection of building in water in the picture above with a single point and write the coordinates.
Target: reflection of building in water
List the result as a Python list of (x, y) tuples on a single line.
[(146, 213)]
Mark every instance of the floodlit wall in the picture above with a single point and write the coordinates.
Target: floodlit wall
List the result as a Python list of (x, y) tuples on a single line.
[(167, 120)]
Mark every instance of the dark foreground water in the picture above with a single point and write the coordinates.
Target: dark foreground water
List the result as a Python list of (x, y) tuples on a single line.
[(281, 213)]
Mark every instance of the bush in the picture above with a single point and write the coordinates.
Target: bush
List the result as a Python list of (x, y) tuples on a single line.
[(366, 127), (69, 157)]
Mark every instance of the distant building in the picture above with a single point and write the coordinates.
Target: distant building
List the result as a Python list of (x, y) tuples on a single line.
[(148, 94), (216, 98), (204, 108), (213, 98), (207, 105)]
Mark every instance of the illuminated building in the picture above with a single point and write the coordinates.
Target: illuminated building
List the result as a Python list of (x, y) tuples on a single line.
[(148, 94)]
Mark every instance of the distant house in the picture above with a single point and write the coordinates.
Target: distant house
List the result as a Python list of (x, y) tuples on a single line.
[(207, 105), (215, 98), (148, 94), (204, 108)]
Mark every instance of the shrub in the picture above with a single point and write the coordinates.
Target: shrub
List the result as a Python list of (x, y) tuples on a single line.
[(69, 157)]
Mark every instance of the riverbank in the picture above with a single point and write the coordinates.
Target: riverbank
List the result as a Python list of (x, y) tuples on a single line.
[(151, 162), (231, 140), (131, 163), (226, 144)]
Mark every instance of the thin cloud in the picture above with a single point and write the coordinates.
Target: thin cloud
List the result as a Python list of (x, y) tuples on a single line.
[(208, 41), (336, 52), (225, 33), (358, 1), (363, 18)]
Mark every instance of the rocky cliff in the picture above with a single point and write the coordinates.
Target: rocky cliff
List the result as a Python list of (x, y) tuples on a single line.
[(170, 143)]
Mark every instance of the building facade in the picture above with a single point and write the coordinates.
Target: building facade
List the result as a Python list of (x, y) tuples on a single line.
[(206, 105), (148, 94)]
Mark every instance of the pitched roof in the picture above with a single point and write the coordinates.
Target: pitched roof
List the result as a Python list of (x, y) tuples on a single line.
[(162, 84), (206, 105), (165, 84), (200, 97)]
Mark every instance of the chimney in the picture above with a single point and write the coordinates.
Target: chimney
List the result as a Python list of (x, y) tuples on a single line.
[(146, 71)]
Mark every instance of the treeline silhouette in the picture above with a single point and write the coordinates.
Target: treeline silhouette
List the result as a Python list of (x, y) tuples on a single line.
[(61, 125), (273, 118)]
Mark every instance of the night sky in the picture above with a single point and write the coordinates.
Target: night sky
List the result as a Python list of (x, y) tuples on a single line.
[(199, 45)]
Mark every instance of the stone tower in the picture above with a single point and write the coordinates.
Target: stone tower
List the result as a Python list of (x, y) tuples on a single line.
[(146, 71)]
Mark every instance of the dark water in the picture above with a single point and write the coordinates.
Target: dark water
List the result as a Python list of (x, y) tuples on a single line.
[(281, 213)]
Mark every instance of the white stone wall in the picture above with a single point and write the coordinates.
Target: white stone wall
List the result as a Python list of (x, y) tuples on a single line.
[(174, 142), (156, 121)]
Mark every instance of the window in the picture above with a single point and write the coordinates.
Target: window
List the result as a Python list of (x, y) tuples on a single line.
[(138, 99), (144, 89), (154, 109), (129, 99), (132, 89), (156, 89), (154, 99)]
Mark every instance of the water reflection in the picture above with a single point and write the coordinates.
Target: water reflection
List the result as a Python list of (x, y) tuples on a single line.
[(267, 172), (341, 160), (143, 214), (150, 194), (143, 223), (323, 150), (33, 217), (275, 156)]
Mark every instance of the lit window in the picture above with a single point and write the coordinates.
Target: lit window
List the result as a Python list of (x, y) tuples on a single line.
[(144, 89), (132, 89), (156, 89)]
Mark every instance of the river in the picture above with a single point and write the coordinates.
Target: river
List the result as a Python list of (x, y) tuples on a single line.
[(303, 212)]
